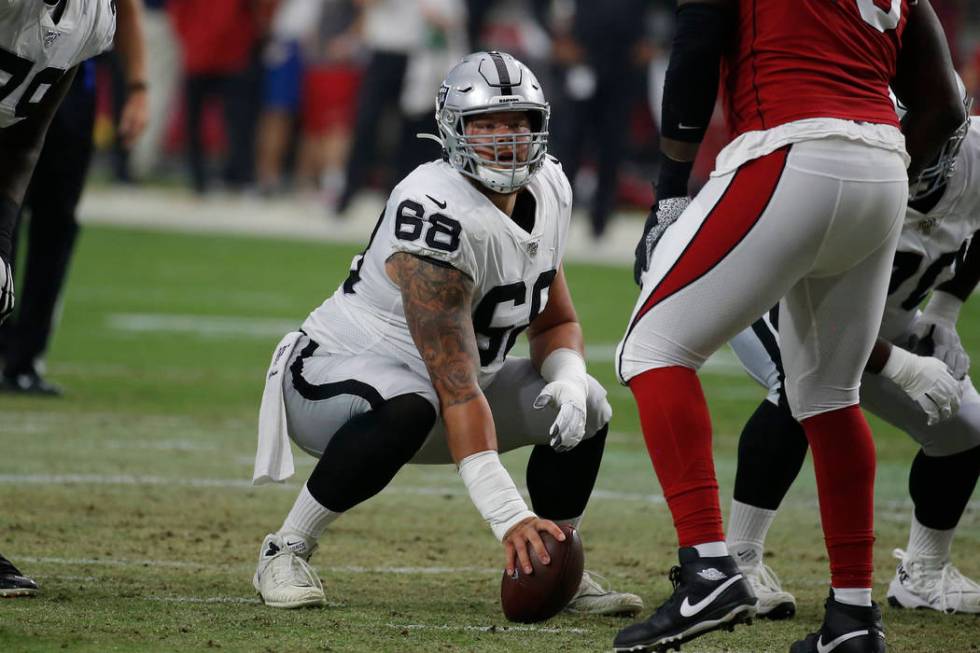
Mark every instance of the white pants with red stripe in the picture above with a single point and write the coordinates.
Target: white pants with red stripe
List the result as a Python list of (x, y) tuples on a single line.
[(812, 226)]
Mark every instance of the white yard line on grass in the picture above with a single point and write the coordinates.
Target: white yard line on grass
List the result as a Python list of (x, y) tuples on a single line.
[(231, 483), (723, 362), (297, 217), (492, 629), (888, 508), (183, 564)]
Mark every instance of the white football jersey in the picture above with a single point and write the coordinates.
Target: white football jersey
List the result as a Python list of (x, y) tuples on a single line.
[(436, 213), (932, 243), (35, 52)]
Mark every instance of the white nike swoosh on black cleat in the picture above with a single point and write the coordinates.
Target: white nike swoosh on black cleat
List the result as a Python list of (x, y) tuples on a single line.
[(688, 610), (834, 643)]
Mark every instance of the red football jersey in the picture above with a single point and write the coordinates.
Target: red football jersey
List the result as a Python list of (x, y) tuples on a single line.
[(798, 59)]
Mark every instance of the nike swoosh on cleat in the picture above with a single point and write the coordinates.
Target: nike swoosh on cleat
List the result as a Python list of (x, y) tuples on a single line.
[(688, 610), (827, 648), (441, 205)]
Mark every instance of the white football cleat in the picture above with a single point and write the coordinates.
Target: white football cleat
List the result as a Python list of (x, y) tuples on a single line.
[(774, 603), (926, 582), (593, 598), (283, 578)]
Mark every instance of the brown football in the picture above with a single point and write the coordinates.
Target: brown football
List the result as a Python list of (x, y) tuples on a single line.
[(529, 598)]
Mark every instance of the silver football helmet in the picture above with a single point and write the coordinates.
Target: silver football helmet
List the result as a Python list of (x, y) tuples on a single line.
[(934, 176), (488, 82)]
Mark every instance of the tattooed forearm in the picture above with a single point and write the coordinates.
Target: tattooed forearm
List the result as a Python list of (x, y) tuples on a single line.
[(437, 302)]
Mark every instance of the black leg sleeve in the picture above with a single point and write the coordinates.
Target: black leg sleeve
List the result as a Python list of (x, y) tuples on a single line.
[(771, 451), (560, 484), (367, 452), (941, 487)]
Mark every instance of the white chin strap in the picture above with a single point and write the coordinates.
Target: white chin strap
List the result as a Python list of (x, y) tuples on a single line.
[(503, 181)]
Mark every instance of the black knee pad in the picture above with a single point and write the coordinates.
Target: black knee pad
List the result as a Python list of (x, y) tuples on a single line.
[(367, 452), (941, 486), (560, 484), (771, 451)]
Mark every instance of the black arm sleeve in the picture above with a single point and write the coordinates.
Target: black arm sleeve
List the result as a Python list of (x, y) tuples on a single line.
[(967, 274), (703, 32), (925, 83), (8, 221), (20, 143)]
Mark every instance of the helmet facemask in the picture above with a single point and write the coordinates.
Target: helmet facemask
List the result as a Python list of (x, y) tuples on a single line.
[(502, 162), (934, 176)]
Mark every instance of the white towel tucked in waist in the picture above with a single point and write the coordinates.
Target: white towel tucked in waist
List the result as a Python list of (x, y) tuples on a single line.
[(274, 457)]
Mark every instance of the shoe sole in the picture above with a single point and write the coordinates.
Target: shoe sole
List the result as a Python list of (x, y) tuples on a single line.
[(898, 605), (737, 616), (293, 605), (780, 612), (901, 599), (13, 594)]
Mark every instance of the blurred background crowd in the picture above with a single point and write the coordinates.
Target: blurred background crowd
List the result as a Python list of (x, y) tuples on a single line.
[(325, 97)]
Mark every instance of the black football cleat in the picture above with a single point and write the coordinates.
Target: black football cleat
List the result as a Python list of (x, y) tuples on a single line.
[(29, 383), (13, 583), (846, 629), (709, 594)]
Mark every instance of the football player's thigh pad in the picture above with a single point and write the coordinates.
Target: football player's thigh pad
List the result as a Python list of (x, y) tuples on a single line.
[(331, 389)]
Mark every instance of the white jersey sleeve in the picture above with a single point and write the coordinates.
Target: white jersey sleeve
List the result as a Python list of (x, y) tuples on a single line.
[(426, 217), (103, 29)]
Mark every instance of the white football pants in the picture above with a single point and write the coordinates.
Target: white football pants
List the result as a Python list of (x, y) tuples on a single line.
[(812, 226), (326, 391)]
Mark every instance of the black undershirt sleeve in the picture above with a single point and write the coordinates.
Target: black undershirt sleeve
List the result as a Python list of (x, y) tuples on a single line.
[(703, 33)]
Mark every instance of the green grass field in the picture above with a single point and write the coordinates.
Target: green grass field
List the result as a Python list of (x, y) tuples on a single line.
[(129, 499)]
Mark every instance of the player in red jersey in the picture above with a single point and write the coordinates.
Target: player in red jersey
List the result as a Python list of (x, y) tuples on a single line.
[(805, 206)]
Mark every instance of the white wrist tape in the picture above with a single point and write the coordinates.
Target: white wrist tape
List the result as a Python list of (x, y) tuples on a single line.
[(493, 491), (565, 365), (944, 306), (897, 367)]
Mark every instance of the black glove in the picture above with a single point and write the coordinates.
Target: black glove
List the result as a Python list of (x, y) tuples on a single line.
[(662, 214)]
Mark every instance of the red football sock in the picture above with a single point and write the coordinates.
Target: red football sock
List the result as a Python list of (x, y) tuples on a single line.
[(677, 430), (844, 462)]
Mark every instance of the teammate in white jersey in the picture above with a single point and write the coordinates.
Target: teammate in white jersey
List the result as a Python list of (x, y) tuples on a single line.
[(407, 361), (41, 43), (938, 251)]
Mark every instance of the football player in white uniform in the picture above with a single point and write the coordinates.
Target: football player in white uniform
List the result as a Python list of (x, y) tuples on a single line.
[(40, 45), (408, 360), (916, 386)]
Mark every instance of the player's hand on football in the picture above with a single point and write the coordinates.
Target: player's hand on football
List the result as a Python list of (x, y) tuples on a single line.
[(927, 381), (524, 534), (6, 290), (933, 336), (569, 398), (662, 214)]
